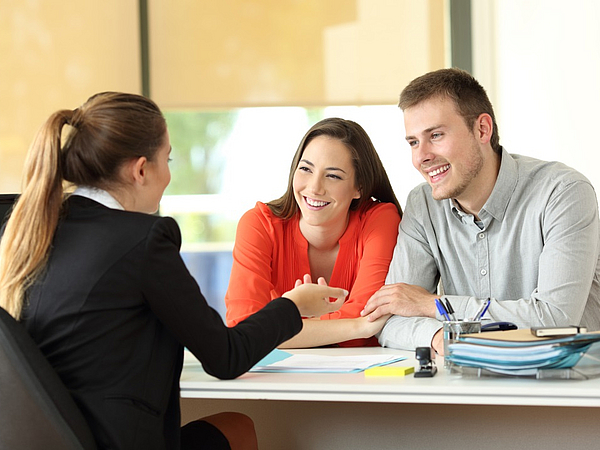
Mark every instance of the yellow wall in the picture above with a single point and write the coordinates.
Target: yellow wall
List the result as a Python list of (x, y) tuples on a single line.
[(54, 55), (287, 52)]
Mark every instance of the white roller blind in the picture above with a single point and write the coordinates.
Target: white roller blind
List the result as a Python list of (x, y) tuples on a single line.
[(233, 53)]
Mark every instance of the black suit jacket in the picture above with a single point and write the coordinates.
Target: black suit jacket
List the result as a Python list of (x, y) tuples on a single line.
[(112, 312)]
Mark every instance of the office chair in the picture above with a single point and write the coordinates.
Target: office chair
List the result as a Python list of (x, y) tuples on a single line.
[(36, 409)]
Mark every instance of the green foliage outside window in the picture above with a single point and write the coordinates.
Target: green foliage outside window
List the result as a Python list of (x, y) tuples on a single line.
[(197, 167), (196, 138)]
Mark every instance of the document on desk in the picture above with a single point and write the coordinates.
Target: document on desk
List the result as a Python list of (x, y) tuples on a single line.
[(281, 361)]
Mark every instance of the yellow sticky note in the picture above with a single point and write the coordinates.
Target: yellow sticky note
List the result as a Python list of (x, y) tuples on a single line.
[(389, 371)]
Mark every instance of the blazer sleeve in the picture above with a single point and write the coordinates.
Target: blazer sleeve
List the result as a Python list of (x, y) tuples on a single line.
[(377, 239), (175, 298), (250, 282)]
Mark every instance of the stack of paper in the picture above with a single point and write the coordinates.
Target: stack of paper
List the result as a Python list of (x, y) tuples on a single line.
[(518, 352), (280, 361)]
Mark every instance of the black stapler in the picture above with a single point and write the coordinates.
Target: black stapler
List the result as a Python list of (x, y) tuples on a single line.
[(425, 356)]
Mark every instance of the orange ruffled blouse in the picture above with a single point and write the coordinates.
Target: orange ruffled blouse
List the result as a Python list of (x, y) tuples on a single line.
[(270, 254)]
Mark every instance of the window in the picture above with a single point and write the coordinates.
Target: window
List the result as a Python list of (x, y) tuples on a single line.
[(225, 161)]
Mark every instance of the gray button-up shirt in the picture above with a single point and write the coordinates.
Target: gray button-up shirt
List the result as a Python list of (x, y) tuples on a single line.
[(535, 252)]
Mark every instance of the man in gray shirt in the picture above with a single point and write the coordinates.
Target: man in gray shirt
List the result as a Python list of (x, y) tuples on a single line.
[(487, 224)]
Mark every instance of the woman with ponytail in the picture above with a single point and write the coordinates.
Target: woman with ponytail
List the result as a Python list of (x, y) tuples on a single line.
[(337, 221), (99, 284)]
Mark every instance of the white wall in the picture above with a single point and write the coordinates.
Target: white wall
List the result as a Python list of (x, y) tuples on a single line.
[(540, 63)]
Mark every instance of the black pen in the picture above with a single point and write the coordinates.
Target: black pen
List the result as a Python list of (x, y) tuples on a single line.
[(450, 309), (442, 309)]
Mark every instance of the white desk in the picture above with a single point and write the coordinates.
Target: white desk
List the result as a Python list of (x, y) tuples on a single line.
[(313, 411)]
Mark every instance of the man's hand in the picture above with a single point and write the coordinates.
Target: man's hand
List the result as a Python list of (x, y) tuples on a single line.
[(437, 343), (403, 299)]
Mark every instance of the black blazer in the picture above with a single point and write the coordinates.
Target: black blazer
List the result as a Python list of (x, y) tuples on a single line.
[(113, 311)]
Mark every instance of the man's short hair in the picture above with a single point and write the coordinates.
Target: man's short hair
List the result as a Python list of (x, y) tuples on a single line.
[(468, 95)]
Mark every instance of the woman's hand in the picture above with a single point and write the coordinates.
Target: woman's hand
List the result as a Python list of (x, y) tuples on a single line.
[(315, 299), (370, 328), (307, 279)]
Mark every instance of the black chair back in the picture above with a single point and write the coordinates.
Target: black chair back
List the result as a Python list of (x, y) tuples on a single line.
[(6, 203), (36, 409)]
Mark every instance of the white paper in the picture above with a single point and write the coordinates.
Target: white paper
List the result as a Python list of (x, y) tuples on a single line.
[(322, 363)]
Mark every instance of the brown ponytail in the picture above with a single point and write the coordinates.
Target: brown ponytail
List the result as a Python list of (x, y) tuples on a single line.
[(110, 129), (28, 234)]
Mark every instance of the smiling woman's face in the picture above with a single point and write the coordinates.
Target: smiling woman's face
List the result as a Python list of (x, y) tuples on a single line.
[(324, 182)]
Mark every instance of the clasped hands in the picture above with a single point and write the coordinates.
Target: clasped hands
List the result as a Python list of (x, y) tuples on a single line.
[(365, 326), (401, 299), (315, 299)]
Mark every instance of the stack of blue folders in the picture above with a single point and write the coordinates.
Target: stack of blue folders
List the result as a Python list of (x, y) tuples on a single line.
[(518, 352)]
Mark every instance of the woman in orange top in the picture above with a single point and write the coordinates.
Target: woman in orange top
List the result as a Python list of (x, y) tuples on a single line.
[(338, 221)]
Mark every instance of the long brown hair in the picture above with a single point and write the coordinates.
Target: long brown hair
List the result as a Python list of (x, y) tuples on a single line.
[(105, 132), (370, 175)]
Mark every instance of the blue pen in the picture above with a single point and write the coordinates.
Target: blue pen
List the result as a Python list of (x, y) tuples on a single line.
[(487, 305), (479, 311), (441, 309)]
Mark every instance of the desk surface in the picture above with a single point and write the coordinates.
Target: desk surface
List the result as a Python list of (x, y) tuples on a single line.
[(444, 388)]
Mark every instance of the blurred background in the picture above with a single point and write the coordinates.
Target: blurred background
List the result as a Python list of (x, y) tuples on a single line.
[(241, 81)]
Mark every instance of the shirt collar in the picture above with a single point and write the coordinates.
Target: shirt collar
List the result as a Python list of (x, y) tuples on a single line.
[(505, 186), (99, 195)]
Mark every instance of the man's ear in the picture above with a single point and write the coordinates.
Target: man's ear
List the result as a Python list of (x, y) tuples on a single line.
[(138, 169), (484, 128)]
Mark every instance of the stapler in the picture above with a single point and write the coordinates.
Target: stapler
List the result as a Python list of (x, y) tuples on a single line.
[(426, 357)]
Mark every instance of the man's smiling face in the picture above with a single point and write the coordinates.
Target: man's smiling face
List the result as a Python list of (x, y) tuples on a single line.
[(444, 150)]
